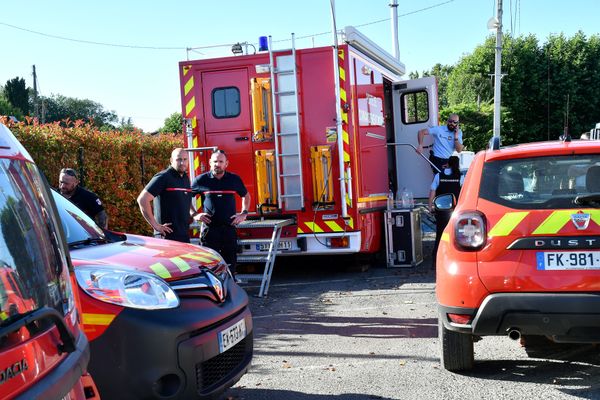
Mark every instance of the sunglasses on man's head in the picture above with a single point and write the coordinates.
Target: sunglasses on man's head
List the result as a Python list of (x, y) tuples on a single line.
[(69, 171)]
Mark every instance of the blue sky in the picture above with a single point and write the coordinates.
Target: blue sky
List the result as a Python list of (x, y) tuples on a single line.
[(142, 83)]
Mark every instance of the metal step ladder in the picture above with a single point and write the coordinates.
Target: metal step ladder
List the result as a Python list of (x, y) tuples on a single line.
[(269, 257), (286, 127)]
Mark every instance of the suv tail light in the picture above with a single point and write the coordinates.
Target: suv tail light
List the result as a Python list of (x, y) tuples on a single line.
[(469, 230)]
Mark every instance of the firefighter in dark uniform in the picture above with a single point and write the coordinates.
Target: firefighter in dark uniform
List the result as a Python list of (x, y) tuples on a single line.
[(218, 188), (172, 186), (447, 181), (88, 202)]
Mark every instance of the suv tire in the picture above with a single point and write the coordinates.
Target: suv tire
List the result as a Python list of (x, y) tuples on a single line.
[(456, 349)]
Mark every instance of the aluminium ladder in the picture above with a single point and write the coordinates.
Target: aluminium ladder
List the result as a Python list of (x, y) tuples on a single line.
[(286, 127), (269, 258)]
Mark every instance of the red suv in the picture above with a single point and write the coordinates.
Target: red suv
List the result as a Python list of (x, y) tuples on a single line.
[(165, 319), (521, 253)]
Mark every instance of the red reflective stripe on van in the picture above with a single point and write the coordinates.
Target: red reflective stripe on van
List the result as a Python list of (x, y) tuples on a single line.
[(178, 190)]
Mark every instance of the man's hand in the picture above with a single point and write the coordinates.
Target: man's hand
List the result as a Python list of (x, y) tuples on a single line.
[(420, 149), (203, 217), (237, 218), (163, 229)]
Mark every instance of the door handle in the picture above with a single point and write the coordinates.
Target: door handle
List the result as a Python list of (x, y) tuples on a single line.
[(241, 138)]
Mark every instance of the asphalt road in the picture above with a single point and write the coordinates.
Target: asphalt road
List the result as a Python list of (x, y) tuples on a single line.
[(326, 333)]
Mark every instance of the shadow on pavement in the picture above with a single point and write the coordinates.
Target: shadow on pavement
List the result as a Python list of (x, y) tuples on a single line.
[(241, 393), (371, 327)]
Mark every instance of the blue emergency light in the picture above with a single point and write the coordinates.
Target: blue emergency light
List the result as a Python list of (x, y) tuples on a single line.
[(263, 45)]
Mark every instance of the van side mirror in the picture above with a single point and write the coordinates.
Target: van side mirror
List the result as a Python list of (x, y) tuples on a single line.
[(444, 202)]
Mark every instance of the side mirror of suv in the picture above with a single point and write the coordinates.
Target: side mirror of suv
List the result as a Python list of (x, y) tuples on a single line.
[(444, 202)]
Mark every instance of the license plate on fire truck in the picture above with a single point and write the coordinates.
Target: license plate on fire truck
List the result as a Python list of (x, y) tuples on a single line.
[(567, 260), (283, 245), (232, 336)]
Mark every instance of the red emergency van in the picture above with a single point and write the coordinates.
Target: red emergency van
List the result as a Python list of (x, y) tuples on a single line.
[(43, 351)]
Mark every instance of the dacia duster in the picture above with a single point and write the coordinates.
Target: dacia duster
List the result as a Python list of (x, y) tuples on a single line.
[(521, 253)]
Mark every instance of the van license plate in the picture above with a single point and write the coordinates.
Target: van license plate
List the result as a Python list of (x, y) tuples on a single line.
[(232, 336), (283, 245), (567, 260)]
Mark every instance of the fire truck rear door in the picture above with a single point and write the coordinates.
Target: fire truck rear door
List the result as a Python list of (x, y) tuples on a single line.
[(415, 105)]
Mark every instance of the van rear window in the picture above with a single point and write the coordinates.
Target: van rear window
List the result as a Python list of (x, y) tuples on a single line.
[(541, 182)]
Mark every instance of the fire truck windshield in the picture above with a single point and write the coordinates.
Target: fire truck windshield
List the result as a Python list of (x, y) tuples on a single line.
[(33, 271)]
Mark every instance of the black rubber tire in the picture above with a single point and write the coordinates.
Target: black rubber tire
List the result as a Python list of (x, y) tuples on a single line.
[(456, 349)]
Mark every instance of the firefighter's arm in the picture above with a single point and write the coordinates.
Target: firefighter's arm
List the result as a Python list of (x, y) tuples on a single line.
[(420, 136), (241, 216), (144, 201), (102, 219)]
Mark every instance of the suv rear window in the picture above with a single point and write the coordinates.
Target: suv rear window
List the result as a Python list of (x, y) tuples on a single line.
[(541, 182)]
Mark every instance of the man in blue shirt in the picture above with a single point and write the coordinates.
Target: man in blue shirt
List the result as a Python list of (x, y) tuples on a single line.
[(446, 139)]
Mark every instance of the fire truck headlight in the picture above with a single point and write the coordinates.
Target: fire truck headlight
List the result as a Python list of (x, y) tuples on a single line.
[(126, 288)]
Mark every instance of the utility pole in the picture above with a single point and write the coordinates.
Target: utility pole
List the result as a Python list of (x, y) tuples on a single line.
[(36, 109), (498, 70)]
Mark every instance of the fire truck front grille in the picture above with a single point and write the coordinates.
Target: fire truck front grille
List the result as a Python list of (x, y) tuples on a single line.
[(211, 373)]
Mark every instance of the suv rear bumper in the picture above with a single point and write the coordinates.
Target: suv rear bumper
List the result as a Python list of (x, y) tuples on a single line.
[(566, 317)]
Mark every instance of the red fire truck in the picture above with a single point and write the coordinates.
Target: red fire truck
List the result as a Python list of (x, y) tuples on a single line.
[(320, 136)]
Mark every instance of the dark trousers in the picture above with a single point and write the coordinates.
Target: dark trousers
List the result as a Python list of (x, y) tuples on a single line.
[(441, 221), (223, 239), (438, 162)]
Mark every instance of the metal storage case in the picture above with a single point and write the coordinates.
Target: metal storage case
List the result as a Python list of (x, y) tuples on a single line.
[(404, 245)]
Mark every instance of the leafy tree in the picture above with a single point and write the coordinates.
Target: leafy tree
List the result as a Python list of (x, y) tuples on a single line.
[(477, 123), (17, 94), (173, 124), (59, 108), (126, 125), (441, 72), (540, 85), (7, 109)]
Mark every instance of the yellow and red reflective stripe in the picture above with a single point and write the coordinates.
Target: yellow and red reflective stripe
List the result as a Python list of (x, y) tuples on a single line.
[(334, 226), (180, 263), (559, 218), (204, 257), (507, 223), (160, 270), (97, 319), (345, 137), (313, 227)]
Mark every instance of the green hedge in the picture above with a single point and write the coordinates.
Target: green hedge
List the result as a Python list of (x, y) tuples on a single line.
[(110, 163)]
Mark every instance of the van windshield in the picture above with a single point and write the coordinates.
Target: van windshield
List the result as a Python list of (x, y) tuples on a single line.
[(33, 267), (541, 182), (77, 225)]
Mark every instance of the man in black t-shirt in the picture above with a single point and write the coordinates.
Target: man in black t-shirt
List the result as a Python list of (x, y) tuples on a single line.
[(88, 202), (172, 186), (218, 188)]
